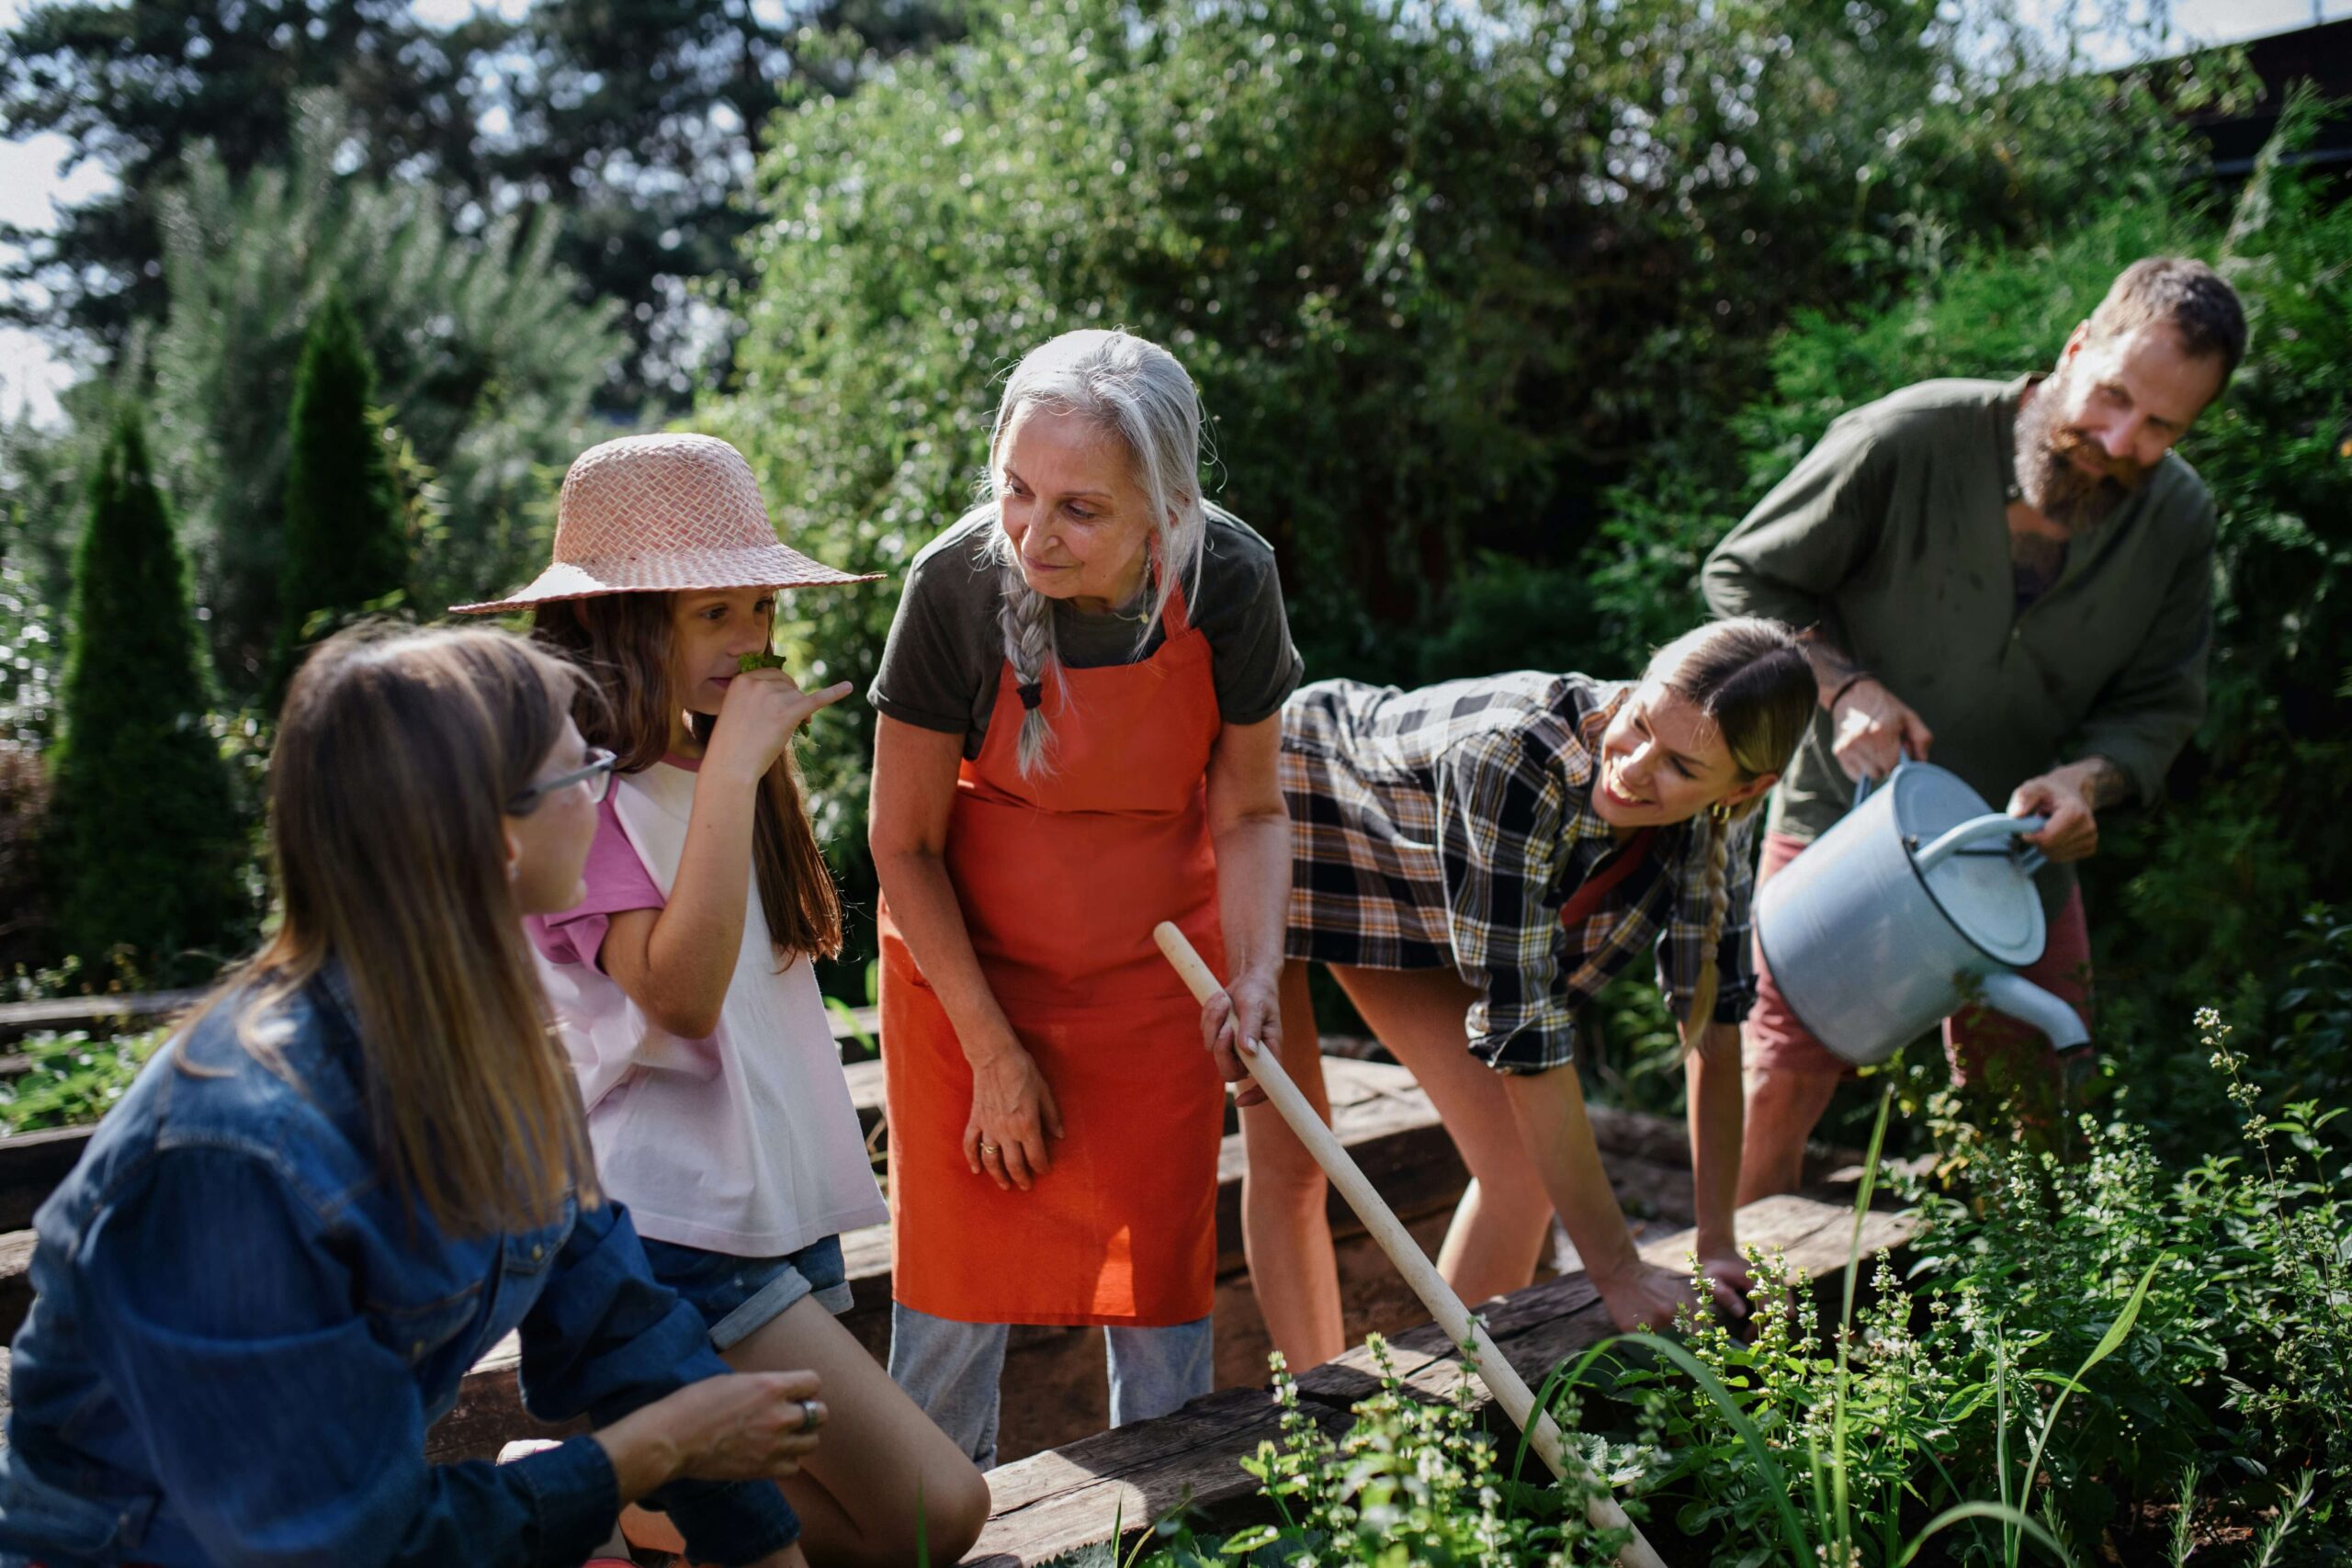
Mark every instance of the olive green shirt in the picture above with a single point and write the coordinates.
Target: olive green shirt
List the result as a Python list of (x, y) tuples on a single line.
[(1892, 536)]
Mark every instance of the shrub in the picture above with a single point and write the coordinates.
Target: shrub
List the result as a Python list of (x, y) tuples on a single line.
[(345, 549), (476, 338), (147, 853)]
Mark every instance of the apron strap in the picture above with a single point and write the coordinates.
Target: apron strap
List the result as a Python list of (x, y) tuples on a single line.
[(1585, 902)]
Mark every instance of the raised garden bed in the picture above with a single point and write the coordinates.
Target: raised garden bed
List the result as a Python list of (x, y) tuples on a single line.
[(1076, 1496)]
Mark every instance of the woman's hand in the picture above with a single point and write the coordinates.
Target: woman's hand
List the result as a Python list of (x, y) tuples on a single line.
[(1249, 1008), (1873, 729), (1647, 1296), (1727, 1272), (739, 1427), (756, 721), (1013, 1114)]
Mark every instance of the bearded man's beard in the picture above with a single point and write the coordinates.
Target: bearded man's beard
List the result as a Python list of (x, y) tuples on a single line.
[(2046, 473)]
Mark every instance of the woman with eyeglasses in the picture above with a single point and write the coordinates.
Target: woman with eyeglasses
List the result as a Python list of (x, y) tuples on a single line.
[(683, 981), (356, 1167)]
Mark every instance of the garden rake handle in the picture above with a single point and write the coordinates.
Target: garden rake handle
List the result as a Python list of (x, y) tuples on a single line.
[(1465, 1331)]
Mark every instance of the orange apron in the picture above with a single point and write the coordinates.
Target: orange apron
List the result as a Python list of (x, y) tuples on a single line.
[(1061, 878)]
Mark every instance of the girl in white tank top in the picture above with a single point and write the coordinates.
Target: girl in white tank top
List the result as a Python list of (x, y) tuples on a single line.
[(714, 1095)]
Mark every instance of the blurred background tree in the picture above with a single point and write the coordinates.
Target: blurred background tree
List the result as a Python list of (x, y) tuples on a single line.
[(635, 121), (484, 358)]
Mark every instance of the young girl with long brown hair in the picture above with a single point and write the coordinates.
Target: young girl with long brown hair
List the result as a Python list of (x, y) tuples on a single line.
[(1474, 862), (683, 981), (358, 1167)]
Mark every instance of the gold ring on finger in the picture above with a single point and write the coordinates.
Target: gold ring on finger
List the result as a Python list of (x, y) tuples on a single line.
[(987, 1148)]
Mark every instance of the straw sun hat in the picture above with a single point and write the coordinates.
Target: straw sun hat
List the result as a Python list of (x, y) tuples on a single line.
[(656, 514)]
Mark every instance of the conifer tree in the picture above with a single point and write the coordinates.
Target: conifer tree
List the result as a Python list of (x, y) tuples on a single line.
[(347, 541), (146, 855)]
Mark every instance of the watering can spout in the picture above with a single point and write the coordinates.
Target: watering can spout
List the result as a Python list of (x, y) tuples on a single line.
[(2023, 1000)]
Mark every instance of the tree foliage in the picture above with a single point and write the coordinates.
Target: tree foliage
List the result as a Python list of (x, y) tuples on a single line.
[(479, 344), (136, 87), (145, 845), (1443, 274), (346, 539), (633, 119)]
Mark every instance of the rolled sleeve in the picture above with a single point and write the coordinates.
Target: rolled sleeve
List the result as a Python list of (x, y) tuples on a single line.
[(1499, 813), (604, 1340), (2147, 712), (1789, 555), (285, 1434)]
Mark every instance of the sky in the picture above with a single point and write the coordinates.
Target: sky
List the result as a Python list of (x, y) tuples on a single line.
[(33, 183)]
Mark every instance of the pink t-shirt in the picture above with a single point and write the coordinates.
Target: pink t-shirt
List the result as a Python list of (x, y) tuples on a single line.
[(617, 882)]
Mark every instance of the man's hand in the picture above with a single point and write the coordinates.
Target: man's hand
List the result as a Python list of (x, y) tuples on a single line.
[(2070, 797), (1873, 729)]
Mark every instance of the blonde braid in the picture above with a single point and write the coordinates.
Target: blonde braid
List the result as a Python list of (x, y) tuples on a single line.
[(1703, 995)]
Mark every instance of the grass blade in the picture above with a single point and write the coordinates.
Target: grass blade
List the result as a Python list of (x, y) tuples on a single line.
[(2010, 1519)]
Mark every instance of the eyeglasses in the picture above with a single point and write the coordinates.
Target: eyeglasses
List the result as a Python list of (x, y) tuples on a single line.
[(596, 773)]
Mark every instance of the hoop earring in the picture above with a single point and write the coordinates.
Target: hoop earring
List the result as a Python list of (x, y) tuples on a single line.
[(1719, 812)]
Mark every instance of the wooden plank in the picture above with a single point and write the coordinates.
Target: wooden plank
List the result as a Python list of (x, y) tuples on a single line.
[(1382, 1116), (1069, 1497), (114, 1011), (145, 1009), (32, 1165)]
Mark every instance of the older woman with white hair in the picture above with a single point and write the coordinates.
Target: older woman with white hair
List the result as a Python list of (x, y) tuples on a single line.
[(1079, 705)]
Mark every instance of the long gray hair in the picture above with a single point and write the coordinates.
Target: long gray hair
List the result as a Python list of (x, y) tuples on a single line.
[(1133, 390)]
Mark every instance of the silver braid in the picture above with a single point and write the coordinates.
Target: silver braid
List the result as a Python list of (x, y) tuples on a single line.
[(1027, 619)]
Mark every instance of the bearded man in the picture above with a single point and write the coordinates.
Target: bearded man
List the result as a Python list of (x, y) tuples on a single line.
[(2016, 580)]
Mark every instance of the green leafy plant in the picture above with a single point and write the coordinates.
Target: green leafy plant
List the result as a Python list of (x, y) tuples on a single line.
[(72, 1078), (1412, 1480)]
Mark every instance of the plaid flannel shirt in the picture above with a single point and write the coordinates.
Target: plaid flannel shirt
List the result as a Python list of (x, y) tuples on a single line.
[(1448, 826)]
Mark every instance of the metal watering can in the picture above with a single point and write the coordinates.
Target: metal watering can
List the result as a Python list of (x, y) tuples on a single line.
[(1919, 901)]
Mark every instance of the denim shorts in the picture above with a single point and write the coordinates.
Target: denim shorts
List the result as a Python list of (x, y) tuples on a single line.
[(738, 1296)]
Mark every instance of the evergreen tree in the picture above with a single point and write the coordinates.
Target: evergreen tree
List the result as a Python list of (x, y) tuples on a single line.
[(476, 339), (346, 547), (146, 852)]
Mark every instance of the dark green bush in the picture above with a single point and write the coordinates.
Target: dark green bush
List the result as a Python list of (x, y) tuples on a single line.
[(146, 852), (346, 547)]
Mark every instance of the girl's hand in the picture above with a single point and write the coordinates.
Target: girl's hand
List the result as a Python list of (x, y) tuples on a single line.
[(1248, 1010), (740, 1426), (1012, 1115), (756, 721)]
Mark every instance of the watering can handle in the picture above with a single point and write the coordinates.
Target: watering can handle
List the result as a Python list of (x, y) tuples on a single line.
[(1981, 829)]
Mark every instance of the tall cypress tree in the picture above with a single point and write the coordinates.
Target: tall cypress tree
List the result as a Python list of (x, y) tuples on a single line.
[(147, 853), (347, 540)]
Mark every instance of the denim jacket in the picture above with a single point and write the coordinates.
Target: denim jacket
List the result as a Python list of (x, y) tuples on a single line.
[(240, 1334)]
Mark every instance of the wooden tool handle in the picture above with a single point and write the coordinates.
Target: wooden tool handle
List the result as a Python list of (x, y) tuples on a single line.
[(1500, 1377)]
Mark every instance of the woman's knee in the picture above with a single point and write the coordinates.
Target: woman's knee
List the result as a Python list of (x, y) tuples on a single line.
[(955, 1506), (1281, 1173)]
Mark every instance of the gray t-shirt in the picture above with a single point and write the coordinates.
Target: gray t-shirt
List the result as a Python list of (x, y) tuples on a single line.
[(941, 667)]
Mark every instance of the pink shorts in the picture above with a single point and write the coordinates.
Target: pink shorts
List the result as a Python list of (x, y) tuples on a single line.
[(1973, 1038)]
